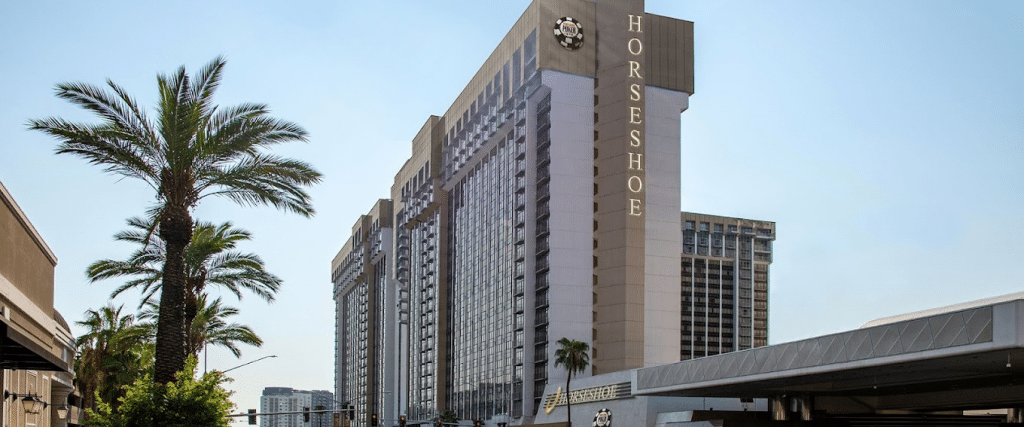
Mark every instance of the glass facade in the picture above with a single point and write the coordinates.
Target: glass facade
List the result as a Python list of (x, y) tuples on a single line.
[(380, 334), (486, 310), (543, 249), (486, 163), (417, 268), (355, 353)]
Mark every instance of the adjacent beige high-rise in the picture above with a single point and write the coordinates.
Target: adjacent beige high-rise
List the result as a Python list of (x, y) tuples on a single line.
[(724, 266)]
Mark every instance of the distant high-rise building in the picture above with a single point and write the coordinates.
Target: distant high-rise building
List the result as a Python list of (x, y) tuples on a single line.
[(724, 284), (284, 407)]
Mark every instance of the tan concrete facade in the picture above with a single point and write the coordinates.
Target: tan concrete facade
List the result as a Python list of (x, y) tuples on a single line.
[(36, 346), (637, 183)]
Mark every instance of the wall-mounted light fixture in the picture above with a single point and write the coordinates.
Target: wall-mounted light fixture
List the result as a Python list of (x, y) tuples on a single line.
[(62, 411), (31, 402)]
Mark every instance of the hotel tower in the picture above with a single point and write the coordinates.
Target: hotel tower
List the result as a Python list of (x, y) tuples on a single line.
[(545, 203)]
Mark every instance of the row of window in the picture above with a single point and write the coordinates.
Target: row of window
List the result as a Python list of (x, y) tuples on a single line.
[(706, 227)]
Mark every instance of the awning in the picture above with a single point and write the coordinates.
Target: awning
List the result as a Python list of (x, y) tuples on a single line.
[(19, 351)]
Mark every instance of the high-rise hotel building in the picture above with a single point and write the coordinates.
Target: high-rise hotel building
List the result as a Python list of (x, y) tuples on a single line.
[(725, 265), (545, 203)]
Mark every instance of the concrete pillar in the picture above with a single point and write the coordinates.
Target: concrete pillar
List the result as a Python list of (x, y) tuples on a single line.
[(779, 409), (1015, 416), (804, 406)]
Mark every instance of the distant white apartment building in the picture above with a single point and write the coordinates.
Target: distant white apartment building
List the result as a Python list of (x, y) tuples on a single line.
[(285, 407)]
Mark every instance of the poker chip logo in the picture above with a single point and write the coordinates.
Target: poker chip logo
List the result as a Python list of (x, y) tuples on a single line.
[(603, 418), (569, 33)]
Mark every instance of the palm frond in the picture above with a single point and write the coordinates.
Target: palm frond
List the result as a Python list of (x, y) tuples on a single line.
[(143, 132), (265, 180), (99, 145), (245, 128), (206, 84)]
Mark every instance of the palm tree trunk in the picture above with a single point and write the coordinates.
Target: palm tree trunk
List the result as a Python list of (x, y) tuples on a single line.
[(568, 400), (176, 232), (191, 308)]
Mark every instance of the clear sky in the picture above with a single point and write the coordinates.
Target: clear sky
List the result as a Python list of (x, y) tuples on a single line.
[(883, 138)]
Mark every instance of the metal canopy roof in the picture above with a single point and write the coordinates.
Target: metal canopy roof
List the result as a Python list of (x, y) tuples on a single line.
[(970, 358)]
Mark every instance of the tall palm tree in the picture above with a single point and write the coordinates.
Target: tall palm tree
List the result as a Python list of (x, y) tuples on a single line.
[(210, 326), (190, 151), (209, 260), (112, 353), (574, 356)]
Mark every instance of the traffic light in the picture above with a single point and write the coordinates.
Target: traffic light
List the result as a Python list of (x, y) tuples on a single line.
[(351, 412), (305, 414), (373, 420), (478, 423), (252, 417), (401, 421)]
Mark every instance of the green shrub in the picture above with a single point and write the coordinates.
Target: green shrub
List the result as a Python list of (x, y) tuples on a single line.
[(186, 402)]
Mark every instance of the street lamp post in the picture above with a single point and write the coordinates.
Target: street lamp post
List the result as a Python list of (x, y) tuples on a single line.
[(247, 363)]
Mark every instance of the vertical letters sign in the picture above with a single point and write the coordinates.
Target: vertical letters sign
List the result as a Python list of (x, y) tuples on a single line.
[(635, 184)]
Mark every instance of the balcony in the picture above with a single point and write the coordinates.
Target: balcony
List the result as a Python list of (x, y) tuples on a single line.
[(543, 264), (543, 211), (544, 122), (542, 246), (543, 176), (543, 193)]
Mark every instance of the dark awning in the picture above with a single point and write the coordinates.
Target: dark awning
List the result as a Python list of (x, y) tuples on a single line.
[(19, 351)]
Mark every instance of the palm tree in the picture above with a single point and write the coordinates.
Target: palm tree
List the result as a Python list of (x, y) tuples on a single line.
[(449, 417), (575, 357), (209, 260), (190, 151), (112, 353), (208, 327)]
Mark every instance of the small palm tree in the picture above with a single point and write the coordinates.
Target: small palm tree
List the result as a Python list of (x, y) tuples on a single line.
[(574, 356), (191, 150), (113, 352), (209, 327), (209, 260), (449, 417)]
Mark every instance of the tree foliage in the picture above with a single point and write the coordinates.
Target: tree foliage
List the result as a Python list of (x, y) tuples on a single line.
[(113, 352), (209, 327), (210, 259), (574, 356), (186, 402), (189, 151), (449, 416)]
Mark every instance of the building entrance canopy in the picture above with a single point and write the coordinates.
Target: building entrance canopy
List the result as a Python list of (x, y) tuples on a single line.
[(961, 358)]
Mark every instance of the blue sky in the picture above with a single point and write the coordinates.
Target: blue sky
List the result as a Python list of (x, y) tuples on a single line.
[(883, 138)]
